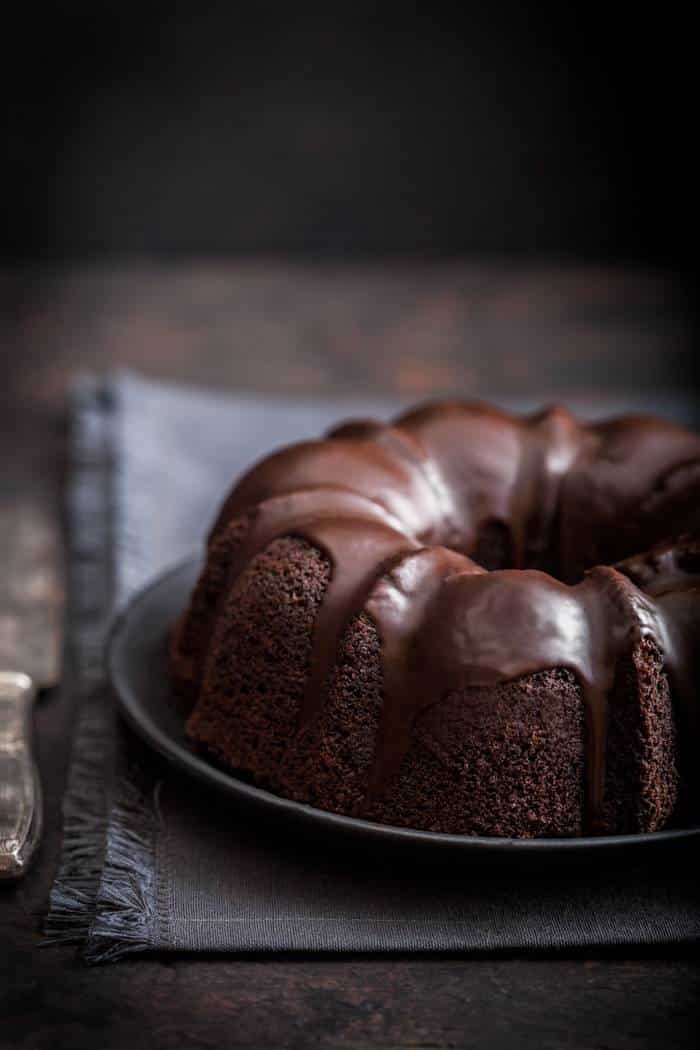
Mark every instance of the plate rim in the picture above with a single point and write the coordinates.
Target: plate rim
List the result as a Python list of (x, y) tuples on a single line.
[(187, 760)]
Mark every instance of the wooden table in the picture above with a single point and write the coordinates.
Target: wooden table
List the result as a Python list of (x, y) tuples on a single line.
[(417, 329)]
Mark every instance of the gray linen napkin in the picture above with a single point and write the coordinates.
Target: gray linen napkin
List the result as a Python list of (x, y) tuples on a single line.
[(152, 861)]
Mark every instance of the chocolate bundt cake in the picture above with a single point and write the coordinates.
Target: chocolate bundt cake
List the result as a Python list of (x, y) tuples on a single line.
[(443, 623)]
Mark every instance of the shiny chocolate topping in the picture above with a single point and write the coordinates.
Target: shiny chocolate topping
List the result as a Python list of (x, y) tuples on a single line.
[(398, 508)]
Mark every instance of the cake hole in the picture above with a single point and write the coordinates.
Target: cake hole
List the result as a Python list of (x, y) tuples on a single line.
[(689, 561), (494, 549)]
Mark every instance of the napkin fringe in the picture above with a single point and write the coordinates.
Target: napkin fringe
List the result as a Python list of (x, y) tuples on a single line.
[(89, 510), (125, 913), (72, 899)]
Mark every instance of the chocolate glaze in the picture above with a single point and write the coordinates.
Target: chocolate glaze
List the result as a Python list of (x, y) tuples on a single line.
[(442, 634), (670, 573), (396, 509)]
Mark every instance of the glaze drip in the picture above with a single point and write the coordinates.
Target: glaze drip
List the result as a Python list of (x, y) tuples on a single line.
[(670, 573), (445, 631)]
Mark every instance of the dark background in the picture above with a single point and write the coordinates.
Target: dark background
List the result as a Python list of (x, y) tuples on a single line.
[(337, 200), (348, 130)]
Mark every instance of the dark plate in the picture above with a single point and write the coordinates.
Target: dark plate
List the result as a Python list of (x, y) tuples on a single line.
[(137, 660)]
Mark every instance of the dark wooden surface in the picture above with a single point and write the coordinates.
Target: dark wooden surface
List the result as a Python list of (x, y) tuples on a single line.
[(419, 330)]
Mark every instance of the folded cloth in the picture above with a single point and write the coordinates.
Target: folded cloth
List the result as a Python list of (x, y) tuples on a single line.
[(153, 862)]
